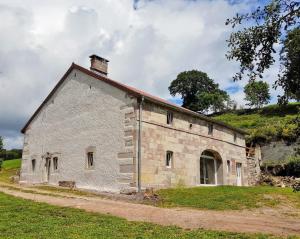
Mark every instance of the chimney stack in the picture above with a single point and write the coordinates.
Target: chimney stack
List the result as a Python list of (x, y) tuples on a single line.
[(99, 64)]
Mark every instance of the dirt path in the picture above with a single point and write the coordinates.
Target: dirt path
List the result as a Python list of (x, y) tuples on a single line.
[(245, 221)]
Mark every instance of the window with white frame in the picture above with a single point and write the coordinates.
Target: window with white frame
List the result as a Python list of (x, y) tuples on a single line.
[(90, 159), (169, 117), (169, 159), (55, 163), (33, 163)]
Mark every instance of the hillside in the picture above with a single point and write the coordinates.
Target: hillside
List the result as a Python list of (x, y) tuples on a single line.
[(272, 122)]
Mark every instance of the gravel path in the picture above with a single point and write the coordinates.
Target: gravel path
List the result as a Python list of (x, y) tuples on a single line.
[(235, 221)]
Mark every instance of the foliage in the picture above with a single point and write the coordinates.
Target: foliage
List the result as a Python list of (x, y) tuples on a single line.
[(293, 166), (1, 143), (198, 91), (289, 79), (226, 197), (1, 162), (39, 220), (257, 93), (296, 187), (254, 45), (11, 154), (273, 122)]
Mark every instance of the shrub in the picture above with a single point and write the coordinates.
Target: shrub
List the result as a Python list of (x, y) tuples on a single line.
[(293, 166), (296, 187)]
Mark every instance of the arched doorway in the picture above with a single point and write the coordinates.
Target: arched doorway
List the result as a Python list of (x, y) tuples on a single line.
[(211, 168)]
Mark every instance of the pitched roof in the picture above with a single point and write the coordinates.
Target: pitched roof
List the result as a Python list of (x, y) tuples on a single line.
[(135, 92)]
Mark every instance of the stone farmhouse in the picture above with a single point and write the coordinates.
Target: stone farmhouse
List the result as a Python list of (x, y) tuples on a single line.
[(102, 135)]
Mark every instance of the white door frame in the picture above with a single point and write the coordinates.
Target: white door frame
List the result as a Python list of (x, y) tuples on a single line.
[(47, 168), (239, 174), (204, 170)]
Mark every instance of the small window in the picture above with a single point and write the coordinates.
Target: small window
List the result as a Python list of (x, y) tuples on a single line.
[(234, 137), (55, 163), (33, 162), (228, 166), (90, 160), (169, 159), (169, 117), (210, 129)]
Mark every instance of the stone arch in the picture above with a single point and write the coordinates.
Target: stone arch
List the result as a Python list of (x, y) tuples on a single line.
[(211, 168)]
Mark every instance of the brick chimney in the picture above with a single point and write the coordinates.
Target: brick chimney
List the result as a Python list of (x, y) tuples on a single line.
[(99, 64)]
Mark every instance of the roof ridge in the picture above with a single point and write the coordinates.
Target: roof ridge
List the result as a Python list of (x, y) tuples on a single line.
[(136, 92)]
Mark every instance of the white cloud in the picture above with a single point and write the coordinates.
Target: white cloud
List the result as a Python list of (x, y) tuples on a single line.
[(146, 47)]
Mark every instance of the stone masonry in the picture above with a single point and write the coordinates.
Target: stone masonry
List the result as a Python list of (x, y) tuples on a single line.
[(89, 114)]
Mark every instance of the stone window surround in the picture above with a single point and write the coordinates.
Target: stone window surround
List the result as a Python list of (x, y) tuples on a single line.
[(58, 156), (228, 167), (210, 127), (55, 163), (90, 149), (33, 165), (169, 159), (170, 117), (235, 137)]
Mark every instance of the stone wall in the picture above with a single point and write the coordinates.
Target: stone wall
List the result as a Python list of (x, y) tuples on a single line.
[(278, 151), (187, 138), (84, 113)]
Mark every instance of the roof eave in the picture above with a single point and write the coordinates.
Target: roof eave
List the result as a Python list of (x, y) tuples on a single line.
[(134, 93), (186, 111)]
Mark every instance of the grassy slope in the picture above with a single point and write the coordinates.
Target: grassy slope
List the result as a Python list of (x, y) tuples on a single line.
[(266, 123), (9, 168), (228, 197), (26, 219)]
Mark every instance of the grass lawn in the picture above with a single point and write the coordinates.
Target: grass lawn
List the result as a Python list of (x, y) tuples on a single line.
[(228, 197), (9, 168), (21, 218)]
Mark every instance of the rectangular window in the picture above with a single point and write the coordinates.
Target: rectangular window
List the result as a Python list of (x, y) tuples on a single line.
[(90, 160), (169, 159), (210, 129), (33, 162), (55, 163), (169, 117), (228, 166), (234, 137)]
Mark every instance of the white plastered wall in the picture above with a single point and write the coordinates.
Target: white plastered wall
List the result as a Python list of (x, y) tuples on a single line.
[(82, 113)]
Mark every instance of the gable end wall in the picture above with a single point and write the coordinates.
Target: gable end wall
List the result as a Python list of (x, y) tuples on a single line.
[(83, 113)]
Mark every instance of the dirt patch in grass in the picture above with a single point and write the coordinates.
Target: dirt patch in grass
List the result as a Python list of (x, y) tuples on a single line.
[(39, 220)]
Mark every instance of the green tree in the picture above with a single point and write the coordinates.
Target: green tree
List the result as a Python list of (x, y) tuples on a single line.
[(257, 93), (1, 143), (198, 91), (289, 78), (1, 149), (254, 45)]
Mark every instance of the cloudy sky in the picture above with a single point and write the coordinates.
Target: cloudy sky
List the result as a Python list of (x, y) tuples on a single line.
[(147, 42)]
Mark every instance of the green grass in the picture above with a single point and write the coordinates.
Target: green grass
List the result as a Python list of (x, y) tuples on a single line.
[(9, 168), (27, 219), (268, 123), (228, 197)]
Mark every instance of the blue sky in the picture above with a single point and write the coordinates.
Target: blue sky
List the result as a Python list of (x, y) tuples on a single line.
[(147, 47)]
